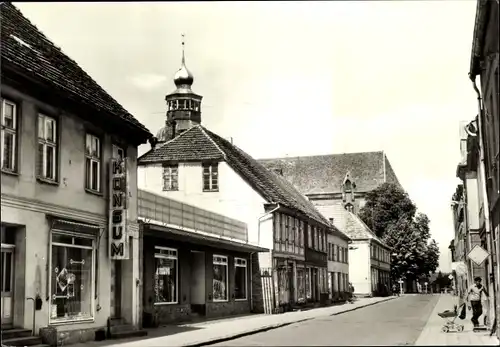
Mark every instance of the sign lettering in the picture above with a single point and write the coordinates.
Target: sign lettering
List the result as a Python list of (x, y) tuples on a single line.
[(118, 238)]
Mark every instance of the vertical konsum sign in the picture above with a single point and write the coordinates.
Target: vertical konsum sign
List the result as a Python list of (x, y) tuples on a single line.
[(118, 238)]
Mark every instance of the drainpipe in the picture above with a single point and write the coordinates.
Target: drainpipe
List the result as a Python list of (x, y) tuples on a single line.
[(485, 195), (251, 281)]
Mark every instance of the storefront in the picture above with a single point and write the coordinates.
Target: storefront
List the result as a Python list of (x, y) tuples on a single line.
[(187, 275)]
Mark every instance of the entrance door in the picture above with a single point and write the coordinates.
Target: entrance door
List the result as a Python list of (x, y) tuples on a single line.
[(118, 288), (291, 283), (198, 282), (7, 285)]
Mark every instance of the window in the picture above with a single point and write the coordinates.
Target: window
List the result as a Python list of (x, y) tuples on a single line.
[(210, 177), (220, 278), (93, 163), (347, 186), (72, 277), (9, 136), (240, 279), (166, 275), (171, 177), (309, 236), (47, 147)]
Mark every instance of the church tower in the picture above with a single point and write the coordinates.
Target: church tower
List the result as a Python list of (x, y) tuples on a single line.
[(183, 105)]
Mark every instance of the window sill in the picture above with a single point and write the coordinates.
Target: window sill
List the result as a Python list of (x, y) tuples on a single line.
[(11, 173), (165, 303), (170, 190), (220, 300), (47, 181), (94, 192), (71, 321), (240, 299), (210, 190)]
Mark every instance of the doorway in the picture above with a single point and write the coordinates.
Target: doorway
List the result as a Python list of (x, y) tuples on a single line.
[(7, 284), (198, 282)]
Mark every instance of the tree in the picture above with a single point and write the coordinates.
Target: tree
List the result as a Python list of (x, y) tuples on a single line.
[(392, 216), (384, 206)]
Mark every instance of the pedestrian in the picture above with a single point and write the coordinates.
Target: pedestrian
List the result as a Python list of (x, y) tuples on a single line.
[(474, 295)]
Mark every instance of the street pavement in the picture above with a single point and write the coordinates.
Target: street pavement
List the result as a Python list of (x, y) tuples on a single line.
[(432, 335), (410, 320), (395, 322)]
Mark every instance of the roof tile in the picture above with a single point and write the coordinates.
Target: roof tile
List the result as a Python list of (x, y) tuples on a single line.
[(324, 174), (26, 47), (199, 143)]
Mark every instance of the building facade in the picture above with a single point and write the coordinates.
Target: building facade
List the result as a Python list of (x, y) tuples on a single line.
[(193, 165), (338, 266), (337, 185), (195, 263), (60, 132), (484, 63)]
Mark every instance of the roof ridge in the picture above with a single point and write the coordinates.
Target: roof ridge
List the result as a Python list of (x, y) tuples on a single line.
[(206, 133), (317, 155)]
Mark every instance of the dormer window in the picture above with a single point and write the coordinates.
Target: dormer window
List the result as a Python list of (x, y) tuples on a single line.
[(347, 186), (210, 177), (278, 171), (171, 178)]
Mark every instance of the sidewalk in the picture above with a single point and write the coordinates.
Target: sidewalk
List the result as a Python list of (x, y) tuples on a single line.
[(198, 334), (432, 334)]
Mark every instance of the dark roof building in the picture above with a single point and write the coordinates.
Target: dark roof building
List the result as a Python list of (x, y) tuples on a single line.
[(325, 174), (30, 60), (200, 144)]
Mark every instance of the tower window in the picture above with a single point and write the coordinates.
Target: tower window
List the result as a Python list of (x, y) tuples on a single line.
[(349, 208), (211, 177)]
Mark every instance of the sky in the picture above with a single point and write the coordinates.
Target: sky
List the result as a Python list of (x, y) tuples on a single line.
[(295, 78)]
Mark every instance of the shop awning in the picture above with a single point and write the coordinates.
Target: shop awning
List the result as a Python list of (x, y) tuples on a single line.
[(152, 229)]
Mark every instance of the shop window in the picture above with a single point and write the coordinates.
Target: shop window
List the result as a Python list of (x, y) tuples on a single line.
[(72, 277), (220, 278), (166, 275), (240, 279), (93, 163), (46, 163), (211, 177), (171, 178), (9, 136)]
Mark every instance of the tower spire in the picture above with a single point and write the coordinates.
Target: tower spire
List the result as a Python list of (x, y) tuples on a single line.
[(183, 45)]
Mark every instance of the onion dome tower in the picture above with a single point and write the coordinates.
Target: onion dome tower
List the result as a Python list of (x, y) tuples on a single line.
[(183, 105)]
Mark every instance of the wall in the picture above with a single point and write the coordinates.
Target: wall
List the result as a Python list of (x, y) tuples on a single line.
[(359, 267), (334, 266), (26, 201), (70, 191), (235, 198), (471, 186)]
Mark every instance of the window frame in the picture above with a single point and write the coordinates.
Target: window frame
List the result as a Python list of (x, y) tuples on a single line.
[(94, 250), (159, 255), (14, 131), (42, 120), (168, 171), (226, 264), (92, 159), (211, 175), (244, 264)]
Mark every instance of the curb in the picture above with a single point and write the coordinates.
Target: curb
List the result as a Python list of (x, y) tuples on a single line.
[(276, 326)]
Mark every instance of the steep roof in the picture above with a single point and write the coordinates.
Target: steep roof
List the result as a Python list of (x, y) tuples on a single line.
[(354, 227), (25, 47), (324, 174), (199, 143)]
